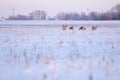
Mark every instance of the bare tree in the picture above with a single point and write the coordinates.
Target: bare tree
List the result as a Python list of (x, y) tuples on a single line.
[(117, 8)]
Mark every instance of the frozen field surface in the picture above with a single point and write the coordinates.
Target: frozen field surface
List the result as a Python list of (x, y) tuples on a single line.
[(58, 23), (50, 53)]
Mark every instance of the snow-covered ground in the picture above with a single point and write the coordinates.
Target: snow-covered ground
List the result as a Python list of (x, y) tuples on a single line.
[(50, 53), (58, 23)]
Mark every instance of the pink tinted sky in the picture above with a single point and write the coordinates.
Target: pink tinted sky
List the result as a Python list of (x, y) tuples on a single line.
[(52, 7)]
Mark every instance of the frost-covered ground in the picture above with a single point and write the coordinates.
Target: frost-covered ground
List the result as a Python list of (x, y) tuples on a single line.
[(58, 23), (50, 53)]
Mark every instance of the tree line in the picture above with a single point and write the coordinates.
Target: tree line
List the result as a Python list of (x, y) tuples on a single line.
[(112, 14)]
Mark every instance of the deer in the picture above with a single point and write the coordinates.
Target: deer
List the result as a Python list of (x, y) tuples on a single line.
[(94, 27), (82, 28), (64, 27), (71, 28)]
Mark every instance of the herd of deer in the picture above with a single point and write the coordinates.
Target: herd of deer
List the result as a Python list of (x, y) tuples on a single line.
[(64, 27)]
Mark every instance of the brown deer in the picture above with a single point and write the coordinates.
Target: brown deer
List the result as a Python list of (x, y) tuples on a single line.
[(94, 27), (82, 28), (64, 27)]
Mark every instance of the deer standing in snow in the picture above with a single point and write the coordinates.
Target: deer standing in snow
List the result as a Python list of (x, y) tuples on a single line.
[(82, 28), (71, 28), (64, 27), (94, 27)]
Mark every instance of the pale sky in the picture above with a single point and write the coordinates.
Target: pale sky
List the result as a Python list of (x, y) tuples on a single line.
[(52, 7)]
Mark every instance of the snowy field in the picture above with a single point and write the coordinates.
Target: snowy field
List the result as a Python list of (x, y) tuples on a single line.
[(58, 23), (50, 53)]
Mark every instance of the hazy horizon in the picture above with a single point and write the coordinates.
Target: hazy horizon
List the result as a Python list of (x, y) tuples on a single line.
[(52, 7)]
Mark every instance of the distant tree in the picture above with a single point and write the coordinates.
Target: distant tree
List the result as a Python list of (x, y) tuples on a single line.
[(37, 15), (11, 18), (112, 14), (117, 8), (2, 18), (93, 16), (18, 17), (83, 16), (105, 16), (73, 16), (43, 15), (30, 16), (115, 11), (21, 17), (61, 16)]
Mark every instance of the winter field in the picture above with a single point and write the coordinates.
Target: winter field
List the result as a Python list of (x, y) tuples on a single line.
[(50, 53)]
